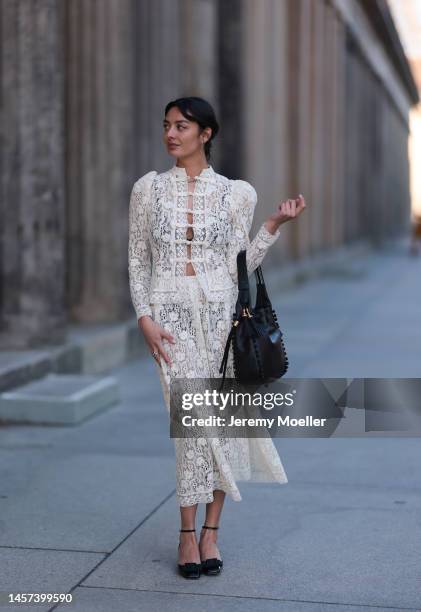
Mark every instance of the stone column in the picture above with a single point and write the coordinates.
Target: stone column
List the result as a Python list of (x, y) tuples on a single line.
[(231, 139), (175, 56), (157, 78), (101, 155), (352, 139), (298, 157), (330, 106), (198, 44), (318, 128), (338, 157), (311, 104), (32, 218), (265, 95)]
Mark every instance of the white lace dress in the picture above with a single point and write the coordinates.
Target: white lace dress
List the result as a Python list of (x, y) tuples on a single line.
[(197, 310)]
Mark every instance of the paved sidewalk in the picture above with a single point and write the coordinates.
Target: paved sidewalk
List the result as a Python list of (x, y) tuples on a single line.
[(92, 509)]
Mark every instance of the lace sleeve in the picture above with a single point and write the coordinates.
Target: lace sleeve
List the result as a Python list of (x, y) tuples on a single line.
[(139, 251), (244, 204)]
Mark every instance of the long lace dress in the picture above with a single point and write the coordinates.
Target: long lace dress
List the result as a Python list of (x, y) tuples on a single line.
[(200, 328)]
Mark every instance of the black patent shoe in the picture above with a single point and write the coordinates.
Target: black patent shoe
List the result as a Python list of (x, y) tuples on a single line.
[(190, 570), (212, 566)]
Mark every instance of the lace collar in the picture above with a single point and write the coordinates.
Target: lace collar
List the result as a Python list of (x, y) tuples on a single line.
[(180, 172)]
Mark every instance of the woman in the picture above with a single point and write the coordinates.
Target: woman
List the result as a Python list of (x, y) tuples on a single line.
[(186, 227)]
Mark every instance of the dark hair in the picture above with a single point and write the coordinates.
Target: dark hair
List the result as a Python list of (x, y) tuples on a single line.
[(198, 110)]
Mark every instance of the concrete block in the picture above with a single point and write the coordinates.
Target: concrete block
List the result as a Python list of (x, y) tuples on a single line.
[(59, 399)]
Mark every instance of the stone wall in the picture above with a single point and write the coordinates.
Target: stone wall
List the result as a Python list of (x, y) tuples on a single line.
[(32, 186)]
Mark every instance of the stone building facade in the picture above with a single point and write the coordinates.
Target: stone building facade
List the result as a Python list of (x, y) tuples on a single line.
[(312, 96)]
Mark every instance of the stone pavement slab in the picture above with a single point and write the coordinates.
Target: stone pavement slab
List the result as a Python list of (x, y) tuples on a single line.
[(363, 326), (346, 541), (86, 502), (110, 600), (41, 571)]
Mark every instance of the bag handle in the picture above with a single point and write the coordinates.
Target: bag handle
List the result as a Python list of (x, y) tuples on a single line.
[(243, 301), (243, 283), (243, 280)]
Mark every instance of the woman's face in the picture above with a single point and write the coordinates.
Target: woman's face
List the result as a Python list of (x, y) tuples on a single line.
[(182, 137)]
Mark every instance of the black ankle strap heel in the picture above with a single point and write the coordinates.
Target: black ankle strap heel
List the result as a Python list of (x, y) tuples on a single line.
[(190, 570), (213, 566)]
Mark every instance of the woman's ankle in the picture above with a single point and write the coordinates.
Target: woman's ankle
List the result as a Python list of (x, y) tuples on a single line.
[(188, 536), (206, 535)]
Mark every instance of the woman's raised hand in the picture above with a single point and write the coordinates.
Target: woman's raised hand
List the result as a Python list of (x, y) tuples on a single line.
[(289, 209), (154, 334)]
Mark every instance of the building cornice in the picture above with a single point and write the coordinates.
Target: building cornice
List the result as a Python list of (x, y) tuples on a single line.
[(380, 17)]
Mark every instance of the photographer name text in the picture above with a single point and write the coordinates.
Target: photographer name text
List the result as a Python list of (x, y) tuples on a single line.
[(218, 421)]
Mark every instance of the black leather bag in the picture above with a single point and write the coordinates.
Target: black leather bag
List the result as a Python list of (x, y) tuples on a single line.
[(259, 354)]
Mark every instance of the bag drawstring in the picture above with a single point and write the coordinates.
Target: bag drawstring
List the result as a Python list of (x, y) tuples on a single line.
[(225, 357)]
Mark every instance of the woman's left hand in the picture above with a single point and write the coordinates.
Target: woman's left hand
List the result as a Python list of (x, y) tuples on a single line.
[(287, 210)]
